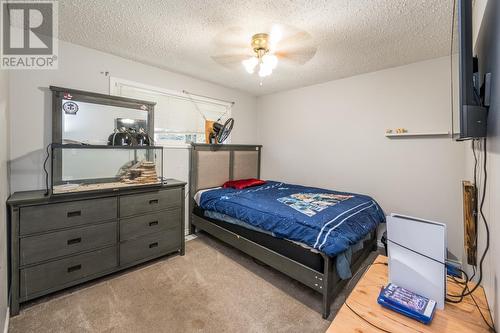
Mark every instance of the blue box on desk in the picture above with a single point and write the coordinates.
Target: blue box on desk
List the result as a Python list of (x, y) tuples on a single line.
[(407, 303)]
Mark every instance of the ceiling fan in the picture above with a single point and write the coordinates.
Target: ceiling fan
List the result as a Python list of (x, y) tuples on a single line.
[(262, 52)]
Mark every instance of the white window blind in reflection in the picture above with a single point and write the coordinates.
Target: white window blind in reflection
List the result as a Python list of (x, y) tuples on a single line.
[(179, 118)]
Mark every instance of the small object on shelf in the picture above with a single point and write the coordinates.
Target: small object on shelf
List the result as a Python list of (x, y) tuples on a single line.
[(407, 303), (401, 130), (423, 134), (388, 131)]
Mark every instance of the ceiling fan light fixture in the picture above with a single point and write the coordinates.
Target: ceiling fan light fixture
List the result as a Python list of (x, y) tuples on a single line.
[(265, 70), (270, 60), (281, 45), (250, 64)]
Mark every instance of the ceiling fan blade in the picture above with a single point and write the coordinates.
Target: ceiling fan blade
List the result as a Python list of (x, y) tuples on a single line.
[(275, 36), (298, 56), (230, 60), (298, 38)]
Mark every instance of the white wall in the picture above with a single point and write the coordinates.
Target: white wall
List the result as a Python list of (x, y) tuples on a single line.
[(80, 68), (4, 191), (332, 135)]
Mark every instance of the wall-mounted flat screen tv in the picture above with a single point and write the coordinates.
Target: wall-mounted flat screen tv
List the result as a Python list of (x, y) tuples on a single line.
[(473, 114)]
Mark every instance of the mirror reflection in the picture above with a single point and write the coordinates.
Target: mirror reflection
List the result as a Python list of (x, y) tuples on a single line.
[(93, 124)]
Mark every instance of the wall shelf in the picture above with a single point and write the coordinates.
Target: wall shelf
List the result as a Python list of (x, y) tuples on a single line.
[(415, 135)]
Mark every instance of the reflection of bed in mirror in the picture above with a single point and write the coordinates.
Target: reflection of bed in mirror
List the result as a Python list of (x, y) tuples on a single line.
[(212, 166)]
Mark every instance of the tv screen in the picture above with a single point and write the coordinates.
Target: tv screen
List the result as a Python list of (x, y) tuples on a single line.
[(472, 114)]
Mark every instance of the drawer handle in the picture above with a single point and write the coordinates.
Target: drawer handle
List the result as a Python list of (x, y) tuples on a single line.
[(153, 223), (153, 202), (75, 213), (74, 268), (74, 241), (155, 244)]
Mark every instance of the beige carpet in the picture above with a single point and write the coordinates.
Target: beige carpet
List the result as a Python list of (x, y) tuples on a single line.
[(213, 288)]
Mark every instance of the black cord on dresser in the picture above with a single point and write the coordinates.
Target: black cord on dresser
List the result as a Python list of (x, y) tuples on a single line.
[(363, 270), (47, 150), (464, 283)]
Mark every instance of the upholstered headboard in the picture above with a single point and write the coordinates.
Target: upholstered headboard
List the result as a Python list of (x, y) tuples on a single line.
[(213, 165)]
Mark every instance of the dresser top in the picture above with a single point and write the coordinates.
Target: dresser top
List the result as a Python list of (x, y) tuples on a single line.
[(39, 197)]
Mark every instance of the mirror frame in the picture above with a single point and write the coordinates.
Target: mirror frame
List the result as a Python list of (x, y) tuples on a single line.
[(59, 93)]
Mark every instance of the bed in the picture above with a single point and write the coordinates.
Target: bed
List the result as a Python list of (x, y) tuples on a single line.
[(315, 236)]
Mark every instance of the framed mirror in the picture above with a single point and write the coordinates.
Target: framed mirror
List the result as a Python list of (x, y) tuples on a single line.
[(88, 120), (83, 117)]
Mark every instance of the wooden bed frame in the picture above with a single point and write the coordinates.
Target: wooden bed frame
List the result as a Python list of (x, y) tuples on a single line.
[(211, 166)]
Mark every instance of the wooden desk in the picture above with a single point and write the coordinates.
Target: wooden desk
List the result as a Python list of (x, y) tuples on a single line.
[(457, 318)]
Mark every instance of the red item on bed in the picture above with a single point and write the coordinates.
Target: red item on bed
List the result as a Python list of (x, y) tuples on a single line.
[(241, 184)]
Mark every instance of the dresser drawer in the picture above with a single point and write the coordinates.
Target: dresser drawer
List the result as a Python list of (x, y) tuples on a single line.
[(134, 227), (148, 202), (58, 274), (34, 249), (150, 246), (68, 214)]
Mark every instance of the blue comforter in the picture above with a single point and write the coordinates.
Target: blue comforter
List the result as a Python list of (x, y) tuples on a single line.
[(328, 221)]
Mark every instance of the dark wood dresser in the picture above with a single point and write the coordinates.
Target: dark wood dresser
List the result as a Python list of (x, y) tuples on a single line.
[(60, 241)]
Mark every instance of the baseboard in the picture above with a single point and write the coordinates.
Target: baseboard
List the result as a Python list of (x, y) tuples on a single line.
[(7, 317)]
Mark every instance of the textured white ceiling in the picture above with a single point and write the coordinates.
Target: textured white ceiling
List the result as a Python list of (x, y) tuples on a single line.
[(352, 36)]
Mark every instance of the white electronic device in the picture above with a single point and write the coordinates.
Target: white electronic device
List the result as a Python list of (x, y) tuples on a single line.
[(417, 253)]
